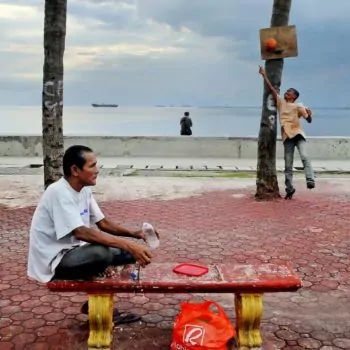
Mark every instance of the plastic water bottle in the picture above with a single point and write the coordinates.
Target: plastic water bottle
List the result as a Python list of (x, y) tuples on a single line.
[(151, 237)]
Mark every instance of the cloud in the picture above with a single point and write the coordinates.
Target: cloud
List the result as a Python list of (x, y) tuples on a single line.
[(145, 52)]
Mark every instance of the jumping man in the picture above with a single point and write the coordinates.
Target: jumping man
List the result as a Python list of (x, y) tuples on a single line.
[(292, 134)]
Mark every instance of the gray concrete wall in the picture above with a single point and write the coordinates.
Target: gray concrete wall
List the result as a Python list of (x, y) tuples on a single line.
[(188, 147)]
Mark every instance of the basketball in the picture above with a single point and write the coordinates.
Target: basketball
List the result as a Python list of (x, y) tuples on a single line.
[(270, 44)]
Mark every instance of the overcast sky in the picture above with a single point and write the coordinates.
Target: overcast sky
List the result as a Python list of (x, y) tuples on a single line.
[(196, 52)]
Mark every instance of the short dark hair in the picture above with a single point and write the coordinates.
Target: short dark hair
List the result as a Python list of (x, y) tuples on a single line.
[(187, 114), (74, 155), (296, 92)]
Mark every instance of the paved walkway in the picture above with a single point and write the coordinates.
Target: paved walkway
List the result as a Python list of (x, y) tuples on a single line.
[(209, 226)]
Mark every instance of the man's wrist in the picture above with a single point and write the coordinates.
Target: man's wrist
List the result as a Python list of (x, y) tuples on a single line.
[(127, 245)]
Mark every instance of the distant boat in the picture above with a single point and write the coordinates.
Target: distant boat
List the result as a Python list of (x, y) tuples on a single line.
[(103, 105)]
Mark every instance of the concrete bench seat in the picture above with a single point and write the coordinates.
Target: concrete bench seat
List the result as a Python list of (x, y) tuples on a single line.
[(247, 282)]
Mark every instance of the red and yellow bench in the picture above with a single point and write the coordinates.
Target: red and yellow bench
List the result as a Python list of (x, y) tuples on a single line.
[(248, 283)]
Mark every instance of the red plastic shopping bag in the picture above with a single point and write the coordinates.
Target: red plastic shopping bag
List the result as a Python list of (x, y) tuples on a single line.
[(197, 327)]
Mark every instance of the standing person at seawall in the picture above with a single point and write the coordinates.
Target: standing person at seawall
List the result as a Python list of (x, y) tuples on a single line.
[(186, 124)]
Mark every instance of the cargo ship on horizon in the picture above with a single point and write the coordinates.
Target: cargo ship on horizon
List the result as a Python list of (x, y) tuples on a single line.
[(104, 105)]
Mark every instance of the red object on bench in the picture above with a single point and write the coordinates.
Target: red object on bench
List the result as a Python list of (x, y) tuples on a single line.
[(191, 270)]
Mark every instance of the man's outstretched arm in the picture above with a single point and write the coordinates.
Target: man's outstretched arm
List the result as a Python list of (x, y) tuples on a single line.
[(268, 83), (107, 225), (140, 252), (110, 227)]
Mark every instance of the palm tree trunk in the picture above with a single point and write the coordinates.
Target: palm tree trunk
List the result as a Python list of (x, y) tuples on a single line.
[(52, 98), (266, 182)]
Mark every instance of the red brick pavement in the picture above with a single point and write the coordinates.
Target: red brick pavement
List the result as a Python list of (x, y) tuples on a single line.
[(311, 232)]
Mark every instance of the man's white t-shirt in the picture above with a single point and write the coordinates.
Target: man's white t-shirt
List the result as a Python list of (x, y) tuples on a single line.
[(61, 210)]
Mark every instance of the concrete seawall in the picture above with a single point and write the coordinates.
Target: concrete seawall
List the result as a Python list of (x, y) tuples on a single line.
[(330, 148)]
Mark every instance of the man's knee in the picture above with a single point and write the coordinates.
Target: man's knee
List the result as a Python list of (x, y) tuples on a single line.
[(304, 158), (100, 253), (121, 257)]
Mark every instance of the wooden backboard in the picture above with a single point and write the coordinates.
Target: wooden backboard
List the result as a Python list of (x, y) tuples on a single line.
[(287, 45)]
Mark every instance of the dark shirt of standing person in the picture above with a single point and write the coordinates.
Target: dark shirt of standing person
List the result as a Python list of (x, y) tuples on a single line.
[(186, 124)]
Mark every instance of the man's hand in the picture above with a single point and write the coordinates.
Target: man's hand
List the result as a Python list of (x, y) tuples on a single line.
[(274, 92), (309, 112), (309, 115), (141, 253), (309, 119), (262, 71), (140, 234)]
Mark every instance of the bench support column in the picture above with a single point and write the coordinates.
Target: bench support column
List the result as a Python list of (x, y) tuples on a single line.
[(249, 309), (100, 321)]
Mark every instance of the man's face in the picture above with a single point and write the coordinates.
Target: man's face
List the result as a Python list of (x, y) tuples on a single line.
[(88, 175), (289, 95)]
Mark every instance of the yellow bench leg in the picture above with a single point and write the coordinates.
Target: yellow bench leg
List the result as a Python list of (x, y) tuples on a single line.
[(249, 308), (100, 321)]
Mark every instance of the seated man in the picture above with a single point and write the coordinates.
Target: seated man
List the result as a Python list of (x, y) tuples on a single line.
[(62, 244)]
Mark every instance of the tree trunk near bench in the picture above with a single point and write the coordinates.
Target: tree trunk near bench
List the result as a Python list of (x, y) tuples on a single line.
[(266, 181), (52, 95)]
